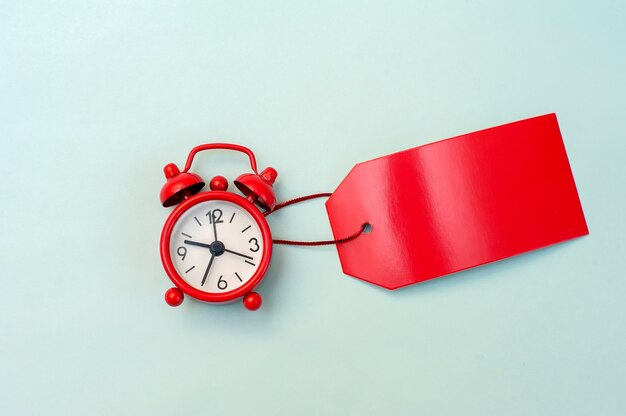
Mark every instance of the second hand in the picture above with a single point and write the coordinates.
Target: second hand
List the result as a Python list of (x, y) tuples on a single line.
[(214, 225)]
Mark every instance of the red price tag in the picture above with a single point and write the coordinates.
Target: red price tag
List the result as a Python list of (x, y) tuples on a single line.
[(457, 203)]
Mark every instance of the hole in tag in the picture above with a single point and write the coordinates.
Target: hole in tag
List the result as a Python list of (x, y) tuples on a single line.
[(367, 228)]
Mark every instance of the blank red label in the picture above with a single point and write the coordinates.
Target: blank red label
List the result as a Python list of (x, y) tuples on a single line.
[(457, 203)]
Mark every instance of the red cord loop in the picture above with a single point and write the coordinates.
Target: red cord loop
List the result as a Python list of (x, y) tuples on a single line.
[(312, 243)]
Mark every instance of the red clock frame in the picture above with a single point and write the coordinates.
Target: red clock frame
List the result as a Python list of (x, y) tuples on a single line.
[(185, 287)]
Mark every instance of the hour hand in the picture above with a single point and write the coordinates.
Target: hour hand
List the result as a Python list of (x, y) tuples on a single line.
[(195, 243)]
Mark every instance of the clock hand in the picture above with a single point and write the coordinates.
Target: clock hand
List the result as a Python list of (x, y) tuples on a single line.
[(195, 243), (206, 273), (239, 254), (214, 225)]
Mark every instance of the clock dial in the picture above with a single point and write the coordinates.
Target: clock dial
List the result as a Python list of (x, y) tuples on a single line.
[(216, 246)]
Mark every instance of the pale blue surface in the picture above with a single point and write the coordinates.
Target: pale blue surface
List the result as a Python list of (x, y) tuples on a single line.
[(95, 97)]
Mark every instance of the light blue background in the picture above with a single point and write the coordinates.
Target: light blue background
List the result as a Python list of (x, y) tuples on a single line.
[(95, 97)]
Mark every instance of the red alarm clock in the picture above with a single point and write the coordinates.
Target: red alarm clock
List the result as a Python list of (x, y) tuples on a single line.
[(216, 246)]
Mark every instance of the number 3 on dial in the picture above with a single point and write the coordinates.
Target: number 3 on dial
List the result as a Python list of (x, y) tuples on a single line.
[(255, 242)]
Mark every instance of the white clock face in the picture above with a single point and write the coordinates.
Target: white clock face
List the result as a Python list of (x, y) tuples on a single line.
[(216, 246)]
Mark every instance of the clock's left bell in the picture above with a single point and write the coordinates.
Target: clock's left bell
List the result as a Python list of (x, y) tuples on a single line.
[(179, 185)]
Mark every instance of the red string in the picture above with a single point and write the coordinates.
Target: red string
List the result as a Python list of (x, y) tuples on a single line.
[(312, 243), (296, 200)]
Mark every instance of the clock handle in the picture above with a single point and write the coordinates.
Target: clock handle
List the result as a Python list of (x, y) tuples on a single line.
[(222, 146)]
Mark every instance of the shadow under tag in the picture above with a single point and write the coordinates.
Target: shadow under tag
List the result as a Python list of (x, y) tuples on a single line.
[(457, 203)]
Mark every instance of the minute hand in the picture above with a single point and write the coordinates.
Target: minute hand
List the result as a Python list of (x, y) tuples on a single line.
[(239, 254), (206, 273)]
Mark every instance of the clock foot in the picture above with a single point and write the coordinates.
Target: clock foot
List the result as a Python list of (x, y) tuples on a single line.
[(252, 301), (174, 296)]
